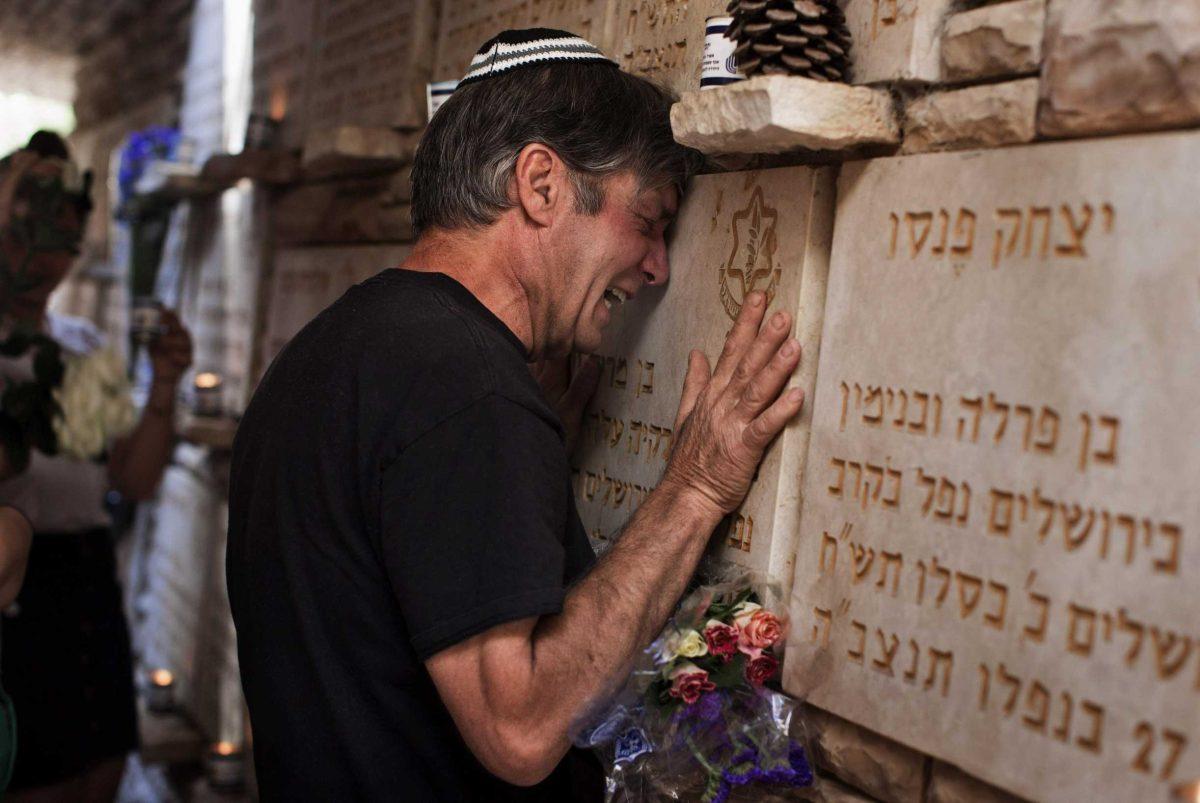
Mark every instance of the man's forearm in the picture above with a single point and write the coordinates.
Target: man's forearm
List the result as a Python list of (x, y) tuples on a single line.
[(138, 463), (585, 652)]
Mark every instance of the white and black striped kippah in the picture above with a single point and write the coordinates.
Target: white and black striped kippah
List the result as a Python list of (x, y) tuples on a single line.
[(530, 47)]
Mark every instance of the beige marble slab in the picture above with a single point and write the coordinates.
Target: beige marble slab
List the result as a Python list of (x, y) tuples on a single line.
[(998, 559), (736, 232)]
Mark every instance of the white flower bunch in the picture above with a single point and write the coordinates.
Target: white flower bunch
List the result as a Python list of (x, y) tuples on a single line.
[(96, 404)]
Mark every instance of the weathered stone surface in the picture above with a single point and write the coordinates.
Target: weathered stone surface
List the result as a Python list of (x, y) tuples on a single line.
[(663, 39), (307, 280), (999, 495), (885, 769), (736, 232), (896, 40), (470, 23), (346, 150), (370, 62), (994, 41), (357, 211), (1120, 65), (984, 116), (774, 114), (949, 784)]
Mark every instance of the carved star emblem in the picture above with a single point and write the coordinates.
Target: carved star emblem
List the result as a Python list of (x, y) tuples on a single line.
[(751, 262)]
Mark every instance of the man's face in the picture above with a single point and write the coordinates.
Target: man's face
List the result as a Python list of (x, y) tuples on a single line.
[(607, 259)]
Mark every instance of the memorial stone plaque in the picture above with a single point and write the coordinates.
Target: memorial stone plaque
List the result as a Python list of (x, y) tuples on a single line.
[(663, 39), (997, 560), (735, 233), (370, 63), (307, 280), (896, 40)]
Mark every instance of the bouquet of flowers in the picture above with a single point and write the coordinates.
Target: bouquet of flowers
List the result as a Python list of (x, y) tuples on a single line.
[(95, 404), (698, 717)]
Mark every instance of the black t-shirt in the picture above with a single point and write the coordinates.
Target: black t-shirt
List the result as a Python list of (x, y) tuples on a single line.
[(398, 485)]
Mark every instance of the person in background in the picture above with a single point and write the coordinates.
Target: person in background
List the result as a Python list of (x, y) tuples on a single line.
[(66, 660), (15, 538)]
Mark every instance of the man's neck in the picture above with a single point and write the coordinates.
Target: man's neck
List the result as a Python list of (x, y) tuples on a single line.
[(480, 262)]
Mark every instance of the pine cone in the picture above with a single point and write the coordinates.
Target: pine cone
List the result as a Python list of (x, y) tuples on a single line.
[(791, 37)]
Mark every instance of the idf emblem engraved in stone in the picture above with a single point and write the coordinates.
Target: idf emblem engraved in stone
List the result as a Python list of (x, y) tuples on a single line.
[(751, 262)]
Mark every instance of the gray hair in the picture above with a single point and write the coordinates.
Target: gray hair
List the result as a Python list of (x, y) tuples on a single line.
[(599, 120)]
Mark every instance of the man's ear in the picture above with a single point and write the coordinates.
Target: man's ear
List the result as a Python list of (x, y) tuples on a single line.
[(541, 183)]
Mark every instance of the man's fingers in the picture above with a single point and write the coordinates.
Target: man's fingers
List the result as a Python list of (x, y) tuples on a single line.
[(760, 352), (768, 380), (745, 329), (762, 430), (698, 374)]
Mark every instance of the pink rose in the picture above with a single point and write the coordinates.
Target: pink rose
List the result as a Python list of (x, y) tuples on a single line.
[(761, 669), (722, 639), (758, 630), (689, 682)]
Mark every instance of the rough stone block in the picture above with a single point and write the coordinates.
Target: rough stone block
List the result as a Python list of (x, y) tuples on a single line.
[(896, 40), (985, 116), (774, 114), (885, 769), (994, 41), (949, 784), (1120, 65)]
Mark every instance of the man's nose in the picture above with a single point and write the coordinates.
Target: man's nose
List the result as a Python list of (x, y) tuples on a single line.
[(655, 267)]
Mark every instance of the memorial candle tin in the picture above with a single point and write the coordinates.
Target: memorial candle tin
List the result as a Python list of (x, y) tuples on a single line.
[(719, 66), (438, 93)]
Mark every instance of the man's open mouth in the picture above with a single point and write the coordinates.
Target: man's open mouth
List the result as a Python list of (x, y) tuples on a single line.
[(615, 296)]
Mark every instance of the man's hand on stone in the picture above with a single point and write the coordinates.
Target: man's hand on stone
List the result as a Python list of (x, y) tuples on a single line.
[(568, 393), (727, 420)]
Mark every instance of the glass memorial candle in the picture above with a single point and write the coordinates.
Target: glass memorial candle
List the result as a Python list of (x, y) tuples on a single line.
[(225, 766), (160, 691), (719, 66), (206, 394)]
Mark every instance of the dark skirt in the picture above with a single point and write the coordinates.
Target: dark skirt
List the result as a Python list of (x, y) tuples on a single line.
[(67, 662)]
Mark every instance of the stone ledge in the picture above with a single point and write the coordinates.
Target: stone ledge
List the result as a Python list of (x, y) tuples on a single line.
[(775, 114), (355, 150)]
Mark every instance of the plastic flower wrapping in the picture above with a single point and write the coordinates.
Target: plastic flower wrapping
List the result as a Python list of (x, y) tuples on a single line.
[(95, 403), (701, 716)]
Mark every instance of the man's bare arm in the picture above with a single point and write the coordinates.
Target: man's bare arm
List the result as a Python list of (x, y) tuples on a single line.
[(515, 690)]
